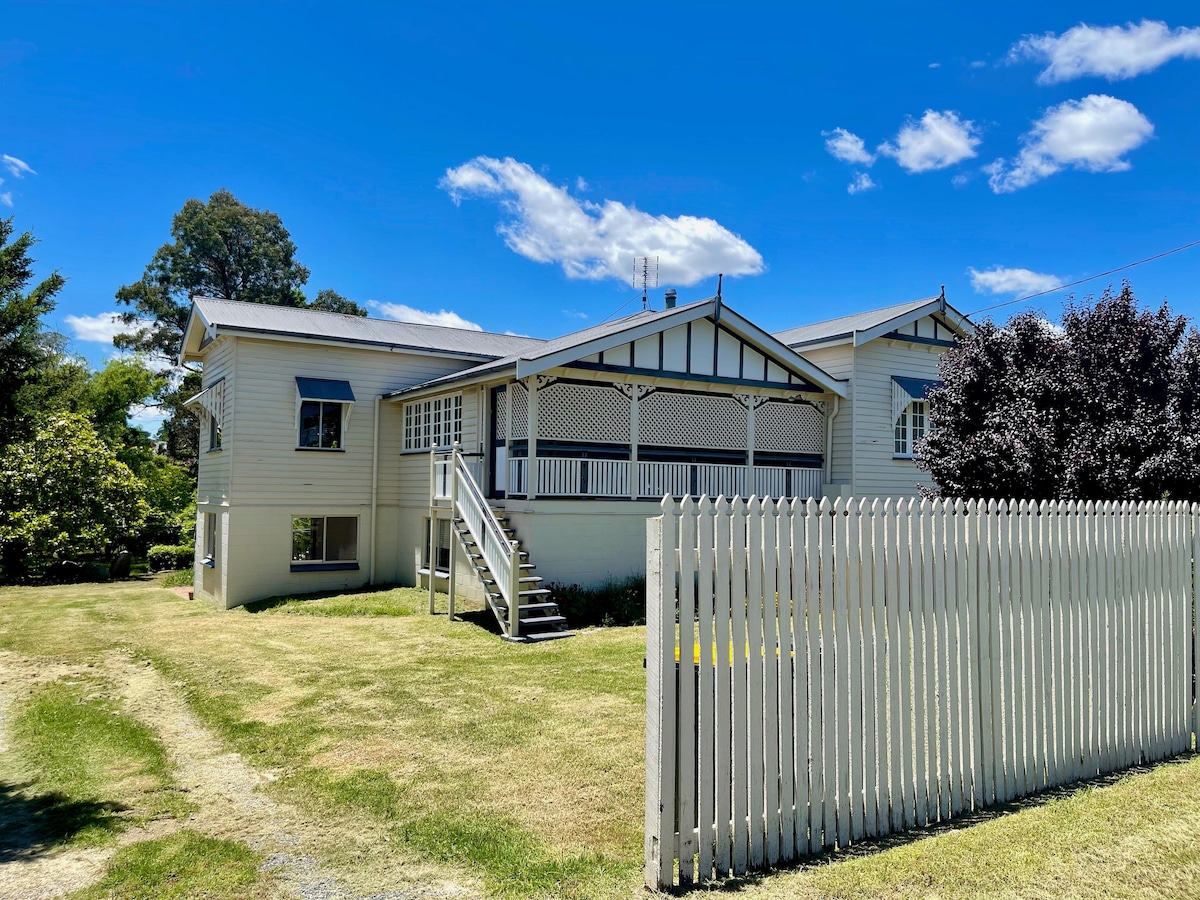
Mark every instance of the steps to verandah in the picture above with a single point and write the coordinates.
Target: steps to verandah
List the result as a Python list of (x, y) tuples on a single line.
[(540, 618)]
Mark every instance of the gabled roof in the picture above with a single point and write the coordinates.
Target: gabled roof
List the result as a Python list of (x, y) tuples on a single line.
[(858, 328), (571, 347), (211, 317)]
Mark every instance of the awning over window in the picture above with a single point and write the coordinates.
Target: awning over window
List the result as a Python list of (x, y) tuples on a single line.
[(905, 390), (324, 389), (208, 400)]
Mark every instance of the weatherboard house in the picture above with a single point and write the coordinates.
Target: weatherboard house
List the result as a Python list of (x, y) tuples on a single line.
[(339, 451)]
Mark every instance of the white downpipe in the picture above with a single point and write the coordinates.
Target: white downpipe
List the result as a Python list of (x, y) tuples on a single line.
[(374, 489), (828, 464)]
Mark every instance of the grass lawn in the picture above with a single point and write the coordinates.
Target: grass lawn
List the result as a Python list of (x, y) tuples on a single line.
[(411, 741)]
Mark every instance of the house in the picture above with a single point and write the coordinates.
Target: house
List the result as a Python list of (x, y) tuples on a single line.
[(339, 451)]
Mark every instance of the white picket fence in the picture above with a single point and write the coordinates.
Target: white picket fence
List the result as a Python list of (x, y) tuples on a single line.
[(853, 669)]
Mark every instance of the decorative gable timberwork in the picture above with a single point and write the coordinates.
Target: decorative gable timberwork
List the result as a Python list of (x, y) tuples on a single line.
[(702, 349)]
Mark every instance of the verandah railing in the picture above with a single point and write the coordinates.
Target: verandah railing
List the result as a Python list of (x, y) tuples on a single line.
[(611, 478)]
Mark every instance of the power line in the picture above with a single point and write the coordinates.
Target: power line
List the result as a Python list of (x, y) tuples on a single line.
[(1083, 280), (618, 309)]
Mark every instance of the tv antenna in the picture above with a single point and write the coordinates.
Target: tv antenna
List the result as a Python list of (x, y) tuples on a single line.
[(645, 275)]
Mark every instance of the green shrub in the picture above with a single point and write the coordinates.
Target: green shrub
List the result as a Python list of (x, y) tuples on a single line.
[(615, 603), (182, 578), (167, 556)]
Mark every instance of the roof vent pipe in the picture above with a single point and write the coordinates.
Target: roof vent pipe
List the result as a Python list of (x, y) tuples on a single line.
[(670, 297)]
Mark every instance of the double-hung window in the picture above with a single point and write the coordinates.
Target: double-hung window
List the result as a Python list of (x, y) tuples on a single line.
[(910, 413), (210, 540), (209, 405), (323, 413), (433, 423), (324, 541)]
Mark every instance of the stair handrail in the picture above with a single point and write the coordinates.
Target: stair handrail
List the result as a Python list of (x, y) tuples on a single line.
[(500, 554)]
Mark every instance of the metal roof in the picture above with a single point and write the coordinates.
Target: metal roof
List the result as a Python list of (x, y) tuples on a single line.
[(844, 326), (231, 315)]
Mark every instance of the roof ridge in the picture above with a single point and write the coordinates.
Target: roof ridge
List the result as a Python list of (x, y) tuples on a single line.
[(328, 312)]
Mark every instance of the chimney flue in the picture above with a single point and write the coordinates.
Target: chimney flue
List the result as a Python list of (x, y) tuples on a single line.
[(670, 298)]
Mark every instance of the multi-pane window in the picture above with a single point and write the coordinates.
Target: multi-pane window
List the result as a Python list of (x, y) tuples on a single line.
[(433, 423), (321, 425), (214, 432), (321, 539), (443, 544), (911, 427)]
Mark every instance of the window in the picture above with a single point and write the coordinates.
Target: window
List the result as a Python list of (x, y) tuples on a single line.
[(323, 410), (323, 540), (214, 433), (433, 423), (911, 427), (210, 540), (320, 425), (443, 545)]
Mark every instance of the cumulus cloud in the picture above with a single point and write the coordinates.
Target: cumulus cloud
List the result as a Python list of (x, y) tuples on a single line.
[(101, 328), (402, 313), (937, 141), (847, 146), (1092, 135), (862, 182), (593, 241), (18, 168), (1003, 280), (1114, 52)]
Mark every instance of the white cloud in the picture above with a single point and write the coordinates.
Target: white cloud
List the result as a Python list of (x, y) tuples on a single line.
[(935, 65), (18, 168), (1002, 280), (977, 64), (6, 198), (594, 241), (580, 184), (101, 328), (1092, 134), (1114, 52), (847, 146), (862, 182), (937, 141), (443, 317), (574, 314), (960, 180)]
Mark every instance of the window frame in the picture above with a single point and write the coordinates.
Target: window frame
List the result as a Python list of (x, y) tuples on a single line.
[(433, 423), (323, 564), (345, 404), (910, 427), (210, 541)]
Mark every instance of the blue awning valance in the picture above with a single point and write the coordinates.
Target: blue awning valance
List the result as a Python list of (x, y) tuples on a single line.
[(324, 389), (917, 388)]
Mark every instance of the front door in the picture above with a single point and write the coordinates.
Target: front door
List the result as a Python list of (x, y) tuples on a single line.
[(499, 443)]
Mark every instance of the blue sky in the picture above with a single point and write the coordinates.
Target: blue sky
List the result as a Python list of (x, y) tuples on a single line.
[(503, 164)]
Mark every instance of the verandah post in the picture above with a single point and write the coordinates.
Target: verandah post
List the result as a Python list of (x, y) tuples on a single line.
[(432, 525), (450, 585), (514, 591)]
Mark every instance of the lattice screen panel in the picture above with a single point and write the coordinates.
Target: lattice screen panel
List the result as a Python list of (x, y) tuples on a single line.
[(499, 426), (692, 420), (579, 412), (520, 410), (789, 427)]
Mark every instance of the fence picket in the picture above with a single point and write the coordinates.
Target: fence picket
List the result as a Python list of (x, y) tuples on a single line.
[(817, 674)]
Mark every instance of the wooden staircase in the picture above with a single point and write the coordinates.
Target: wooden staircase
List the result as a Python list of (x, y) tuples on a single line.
[(539, 616)]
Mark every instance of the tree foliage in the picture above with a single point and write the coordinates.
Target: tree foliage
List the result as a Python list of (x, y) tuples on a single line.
[(64, 494), (1103, 408), (220, 248), (331, 301), (25, 347)]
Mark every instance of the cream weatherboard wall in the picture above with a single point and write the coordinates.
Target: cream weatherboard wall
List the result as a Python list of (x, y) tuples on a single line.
[(863, 459), (270, 480)]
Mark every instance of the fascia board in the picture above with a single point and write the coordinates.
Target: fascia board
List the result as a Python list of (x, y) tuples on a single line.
[(863, 337)]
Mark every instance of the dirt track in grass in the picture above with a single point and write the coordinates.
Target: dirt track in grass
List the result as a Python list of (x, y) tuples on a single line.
[(226, 790)]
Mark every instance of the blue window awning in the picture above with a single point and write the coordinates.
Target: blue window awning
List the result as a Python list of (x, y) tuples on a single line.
[(324, 389), (916, 388)]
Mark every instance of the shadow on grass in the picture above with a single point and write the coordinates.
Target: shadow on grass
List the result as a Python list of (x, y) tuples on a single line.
[(271, 603), (872, 846), (32, 824)]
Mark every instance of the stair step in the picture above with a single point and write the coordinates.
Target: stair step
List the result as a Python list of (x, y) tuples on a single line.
[(535, 606), (536, 592), (531, 579), (524, 566), (546, 636), (440, 573), (543, 620)]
